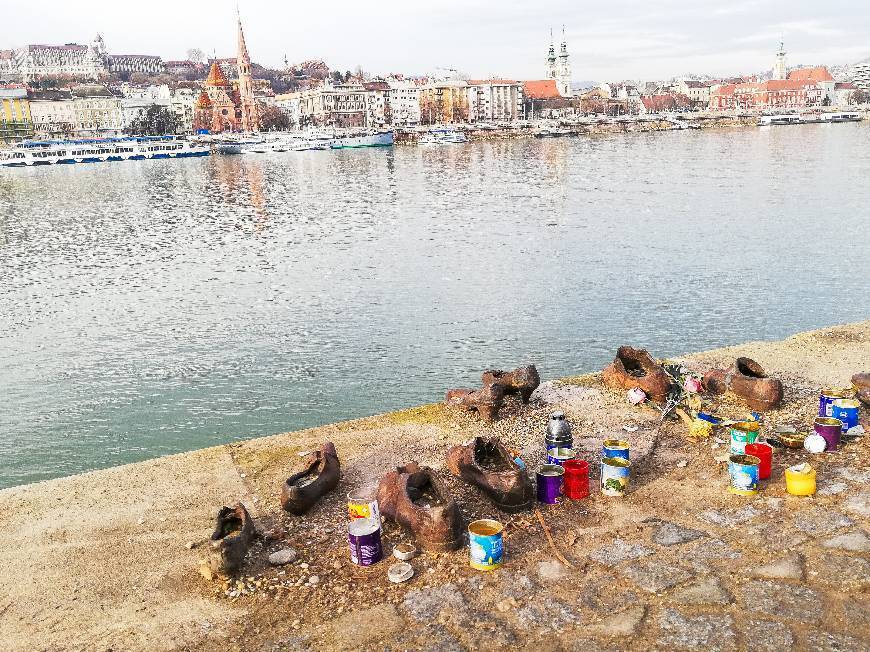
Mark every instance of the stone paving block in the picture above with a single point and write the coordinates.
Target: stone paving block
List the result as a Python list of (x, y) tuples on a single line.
[(666, 533), (790, 567), (768, 636), (655, 576), (819, 521), (545, 612), (442, 642), (856, 541), (714, 549), (617, 552), (843, 572), (829, 488), (707, 632), (552, 571), (516, 585), (826, 642), (424, 605), (781, 600), (854, 475), (773, 535), (730, 518), (706, 591), (858, 505), (603, 596), (624, 623)]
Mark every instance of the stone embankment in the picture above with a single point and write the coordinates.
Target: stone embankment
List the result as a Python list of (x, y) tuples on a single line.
[(109, 559), (600, 127)]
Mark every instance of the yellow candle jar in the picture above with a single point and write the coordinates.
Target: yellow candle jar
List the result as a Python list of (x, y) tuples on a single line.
[(800, 480)]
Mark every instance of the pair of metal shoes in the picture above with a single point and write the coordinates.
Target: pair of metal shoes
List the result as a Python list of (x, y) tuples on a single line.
[(414, 497), (234, 531)]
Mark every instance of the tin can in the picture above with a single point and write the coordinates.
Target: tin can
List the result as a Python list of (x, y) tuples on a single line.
[(485, 544), (742, 433), (559, 455), (615, 472), (364, 537), (576, 482), (846, 410), (549, 479), (800, 480), (829, 428), (363, 504), (744, 474), (826, 401), (764, 452), (615, 448)]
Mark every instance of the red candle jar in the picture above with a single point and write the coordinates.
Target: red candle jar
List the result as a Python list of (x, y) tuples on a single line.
[(764, 452), (575, 484)]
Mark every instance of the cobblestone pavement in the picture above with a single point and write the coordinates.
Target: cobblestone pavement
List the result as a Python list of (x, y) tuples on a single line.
[(109, 560)]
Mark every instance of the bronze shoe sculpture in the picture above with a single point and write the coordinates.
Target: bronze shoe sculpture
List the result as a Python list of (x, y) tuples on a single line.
[(233, 535), (748, 380), (522, 380), (636, 368), (861, 381), (486, 401), (486, 463), (320, 476), (415, 498)]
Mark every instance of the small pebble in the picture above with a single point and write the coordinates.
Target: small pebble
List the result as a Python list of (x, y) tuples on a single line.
[(313, 580), (303, 565), (190, 545)]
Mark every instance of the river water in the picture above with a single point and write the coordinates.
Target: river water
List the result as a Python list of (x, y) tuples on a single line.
[(153, 307)]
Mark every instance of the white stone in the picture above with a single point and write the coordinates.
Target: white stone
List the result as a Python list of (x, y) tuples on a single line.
[(282, 557)]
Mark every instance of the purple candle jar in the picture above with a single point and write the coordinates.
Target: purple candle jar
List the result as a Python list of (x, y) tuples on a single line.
[(549, 478), (830, 430), (364, 537)]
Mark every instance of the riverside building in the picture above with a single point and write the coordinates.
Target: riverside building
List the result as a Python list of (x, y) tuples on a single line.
[(16, 122)]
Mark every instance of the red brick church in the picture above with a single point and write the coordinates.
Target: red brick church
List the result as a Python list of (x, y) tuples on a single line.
[(220, 107)]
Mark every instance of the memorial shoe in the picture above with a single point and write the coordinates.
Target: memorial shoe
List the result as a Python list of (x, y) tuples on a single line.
[(636, 368), (415, 498), (485, 462), (486, 401), (320, 476), (233, 535), (747, 380), (522, 381)]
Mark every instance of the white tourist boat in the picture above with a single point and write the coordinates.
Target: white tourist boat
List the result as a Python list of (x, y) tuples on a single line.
[(809, 118), (303, 141), (98, 150), (238, 143), (363, 139), (781, 119), (442, 137)]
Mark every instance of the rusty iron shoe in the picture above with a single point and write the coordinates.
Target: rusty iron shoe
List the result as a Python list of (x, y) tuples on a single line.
[(486, 401), (522, 380), (415, 498), (320, 476), (486, 463), (233, 535), (636, 368), (747, 380)]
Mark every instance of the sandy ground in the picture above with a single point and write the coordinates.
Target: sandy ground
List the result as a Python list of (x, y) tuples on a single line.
[(103, 560)]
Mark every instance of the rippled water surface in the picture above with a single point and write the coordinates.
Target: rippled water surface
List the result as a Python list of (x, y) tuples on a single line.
[(159, 306)]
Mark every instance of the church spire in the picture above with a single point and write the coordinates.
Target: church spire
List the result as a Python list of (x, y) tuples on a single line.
[(250, 122)]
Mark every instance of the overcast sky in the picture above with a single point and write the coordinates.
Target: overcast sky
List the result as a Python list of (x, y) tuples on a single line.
[(607, 39)]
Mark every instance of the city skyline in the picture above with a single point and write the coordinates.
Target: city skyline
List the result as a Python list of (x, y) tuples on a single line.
[(486, 39)]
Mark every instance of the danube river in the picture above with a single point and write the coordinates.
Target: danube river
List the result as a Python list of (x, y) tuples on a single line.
[(153, 307)]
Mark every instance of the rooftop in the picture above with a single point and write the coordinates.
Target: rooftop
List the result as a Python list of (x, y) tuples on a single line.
[(541, 89)]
